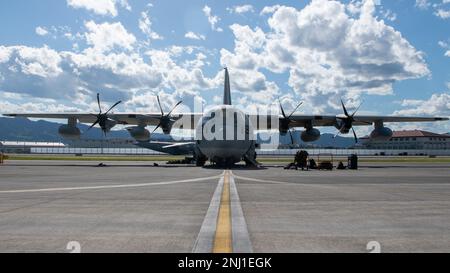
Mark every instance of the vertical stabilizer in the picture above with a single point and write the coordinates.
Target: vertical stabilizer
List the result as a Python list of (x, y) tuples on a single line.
[(227, 91)]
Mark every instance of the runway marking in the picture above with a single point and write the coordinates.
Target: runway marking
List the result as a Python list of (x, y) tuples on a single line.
[(224, 228), (205, 238), (121, 186), (222, 240), (321, 184), (241, 237), (262, 181)]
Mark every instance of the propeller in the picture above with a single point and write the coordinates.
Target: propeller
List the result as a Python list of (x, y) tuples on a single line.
[(348, 121), (286, 121), (102, 118), (165, 120)]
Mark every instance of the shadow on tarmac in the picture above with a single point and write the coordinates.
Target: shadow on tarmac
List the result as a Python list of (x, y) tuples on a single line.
[(240, 167)]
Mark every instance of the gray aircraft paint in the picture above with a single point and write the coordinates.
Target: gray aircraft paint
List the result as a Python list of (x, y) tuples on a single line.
[(227, 89), (225, 135)]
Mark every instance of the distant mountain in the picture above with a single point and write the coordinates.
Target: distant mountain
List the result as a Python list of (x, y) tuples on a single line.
[(22, 129)]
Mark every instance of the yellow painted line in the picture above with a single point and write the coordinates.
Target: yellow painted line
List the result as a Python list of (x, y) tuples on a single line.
[(223, 242)]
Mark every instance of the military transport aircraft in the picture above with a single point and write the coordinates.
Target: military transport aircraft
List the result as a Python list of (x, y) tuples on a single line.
[(224, 134)]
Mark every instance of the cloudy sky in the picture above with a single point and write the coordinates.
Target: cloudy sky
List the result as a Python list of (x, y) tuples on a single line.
[(55, 55)]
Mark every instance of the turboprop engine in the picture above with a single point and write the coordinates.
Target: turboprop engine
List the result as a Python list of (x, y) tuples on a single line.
[(69, 132), (139, 133), (310, 135), (382, 133)]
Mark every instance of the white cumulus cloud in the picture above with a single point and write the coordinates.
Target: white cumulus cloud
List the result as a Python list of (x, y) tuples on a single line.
[(194, 36), (328, 53), (145, 25), (269, 9), (440, 9), (74, 78), (241, 9), (445, 45), (101, 7), (42, 62), (444, 14), (41, 31), (423, 4), (106, 36), (212, 19), (436, 105)]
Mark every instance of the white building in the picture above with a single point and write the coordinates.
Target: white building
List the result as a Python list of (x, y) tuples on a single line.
[(410, 140)]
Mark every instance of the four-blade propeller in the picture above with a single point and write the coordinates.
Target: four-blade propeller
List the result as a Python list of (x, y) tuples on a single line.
[(347, 121), (102, 118), (286, 121), (165, 120)]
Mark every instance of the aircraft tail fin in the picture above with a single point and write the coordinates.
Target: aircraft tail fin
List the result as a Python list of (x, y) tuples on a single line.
[(227, 91)]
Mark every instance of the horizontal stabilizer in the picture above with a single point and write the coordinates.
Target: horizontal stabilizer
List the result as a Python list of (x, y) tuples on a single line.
[(178, 145)]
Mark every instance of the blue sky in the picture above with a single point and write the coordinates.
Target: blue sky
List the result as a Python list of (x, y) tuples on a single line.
[(56, 55)]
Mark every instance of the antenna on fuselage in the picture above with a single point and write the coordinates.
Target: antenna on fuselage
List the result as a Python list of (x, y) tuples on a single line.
[(227, 89)]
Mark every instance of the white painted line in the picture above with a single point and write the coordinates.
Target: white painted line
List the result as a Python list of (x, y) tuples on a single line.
[(112, 186), (205, 238), (262, 181), (240, 235), (326, 185)]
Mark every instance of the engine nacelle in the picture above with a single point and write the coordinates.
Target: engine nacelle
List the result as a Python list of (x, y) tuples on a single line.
[(310, 135), (382, 134), (109, 124), (69, 132), (139, 133)]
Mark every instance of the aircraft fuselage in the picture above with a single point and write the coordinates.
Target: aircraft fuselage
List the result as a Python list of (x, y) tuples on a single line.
[(225, 135)]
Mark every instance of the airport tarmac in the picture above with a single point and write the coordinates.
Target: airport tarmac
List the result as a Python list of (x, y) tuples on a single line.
[(138, 207)]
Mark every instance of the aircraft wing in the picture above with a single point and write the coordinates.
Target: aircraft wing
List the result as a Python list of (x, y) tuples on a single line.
[(192, 119), (319, 121), (151, 119), (363, 120), (300, 121), (82, 117)]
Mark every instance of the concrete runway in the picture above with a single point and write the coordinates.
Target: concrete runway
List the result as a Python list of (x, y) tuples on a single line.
[(135, 207)]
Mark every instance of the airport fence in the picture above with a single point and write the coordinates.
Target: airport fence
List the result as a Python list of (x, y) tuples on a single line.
[(359, 152), (95, 151), (278, 152)]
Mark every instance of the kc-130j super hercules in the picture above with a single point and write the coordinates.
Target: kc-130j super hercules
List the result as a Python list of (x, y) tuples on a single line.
[(224, 134)]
